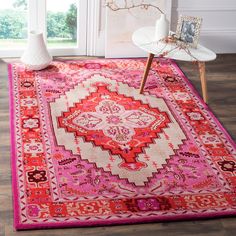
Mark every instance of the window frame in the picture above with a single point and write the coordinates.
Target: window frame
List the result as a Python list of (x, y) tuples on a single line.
[(37, 13)]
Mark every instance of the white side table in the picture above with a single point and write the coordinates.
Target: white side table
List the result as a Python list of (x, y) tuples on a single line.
[(144, 39)]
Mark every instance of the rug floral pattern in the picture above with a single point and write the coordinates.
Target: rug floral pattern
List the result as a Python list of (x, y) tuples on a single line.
[(88, 149)]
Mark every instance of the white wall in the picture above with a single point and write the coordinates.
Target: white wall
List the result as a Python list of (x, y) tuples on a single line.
[(218, 30)]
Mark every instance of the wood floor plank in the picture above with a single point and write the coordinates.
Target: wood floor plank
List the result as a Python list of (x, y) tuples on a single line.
[(221, 76)]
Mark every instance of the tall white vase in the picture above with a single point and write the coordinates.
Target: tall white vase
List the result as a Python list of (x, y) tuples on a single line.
[(36, 55), (162, 28)]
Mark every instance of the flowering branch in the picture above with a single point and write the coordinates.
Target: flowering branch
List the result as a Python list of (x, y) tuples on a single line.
[(112, 5), (178, 44)]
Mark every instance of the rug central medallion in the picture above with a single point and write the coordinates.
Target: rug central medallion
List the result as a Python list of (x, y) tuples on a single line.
[(116, 123), (116, 126)]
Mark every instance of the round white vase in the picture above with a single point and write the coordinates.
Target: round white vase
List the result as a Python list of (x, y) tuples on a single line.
[(36, 55), (162, 28)]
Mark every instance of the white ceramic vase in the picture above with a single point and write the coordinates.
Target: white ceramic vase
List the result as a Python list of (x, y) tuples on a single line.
[(162, 28), (36, 55)]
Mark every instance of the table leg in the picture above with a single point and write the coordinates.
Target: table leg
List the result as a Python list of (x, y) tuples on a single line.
[(202, 71), (145, 75)]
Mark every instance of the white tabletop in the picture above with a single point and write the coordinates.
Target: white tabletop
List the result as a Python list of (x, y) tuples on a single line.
[(144, 39)]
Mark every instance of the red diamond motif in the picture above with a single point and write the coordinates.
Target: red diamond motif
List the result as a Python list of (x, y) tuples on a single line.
[(116, 123)]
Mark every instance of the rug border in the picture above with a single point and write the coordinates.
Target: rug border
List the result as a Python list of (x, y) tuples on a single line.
[(157, 219), (212, 114), (13, 148), (20, 226)]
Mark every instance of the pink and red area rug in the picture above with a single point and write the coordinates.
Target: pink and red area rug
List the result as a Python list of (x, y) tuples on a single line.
[(88, 149)]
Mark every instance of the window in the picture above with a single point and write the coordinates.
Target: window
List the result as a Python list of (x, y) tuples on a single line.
[(13, 24), (63, 23)]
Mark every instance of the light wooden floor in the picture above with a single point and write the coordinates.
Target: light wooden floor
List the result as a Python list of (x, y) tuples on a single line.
[(221, 76)]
